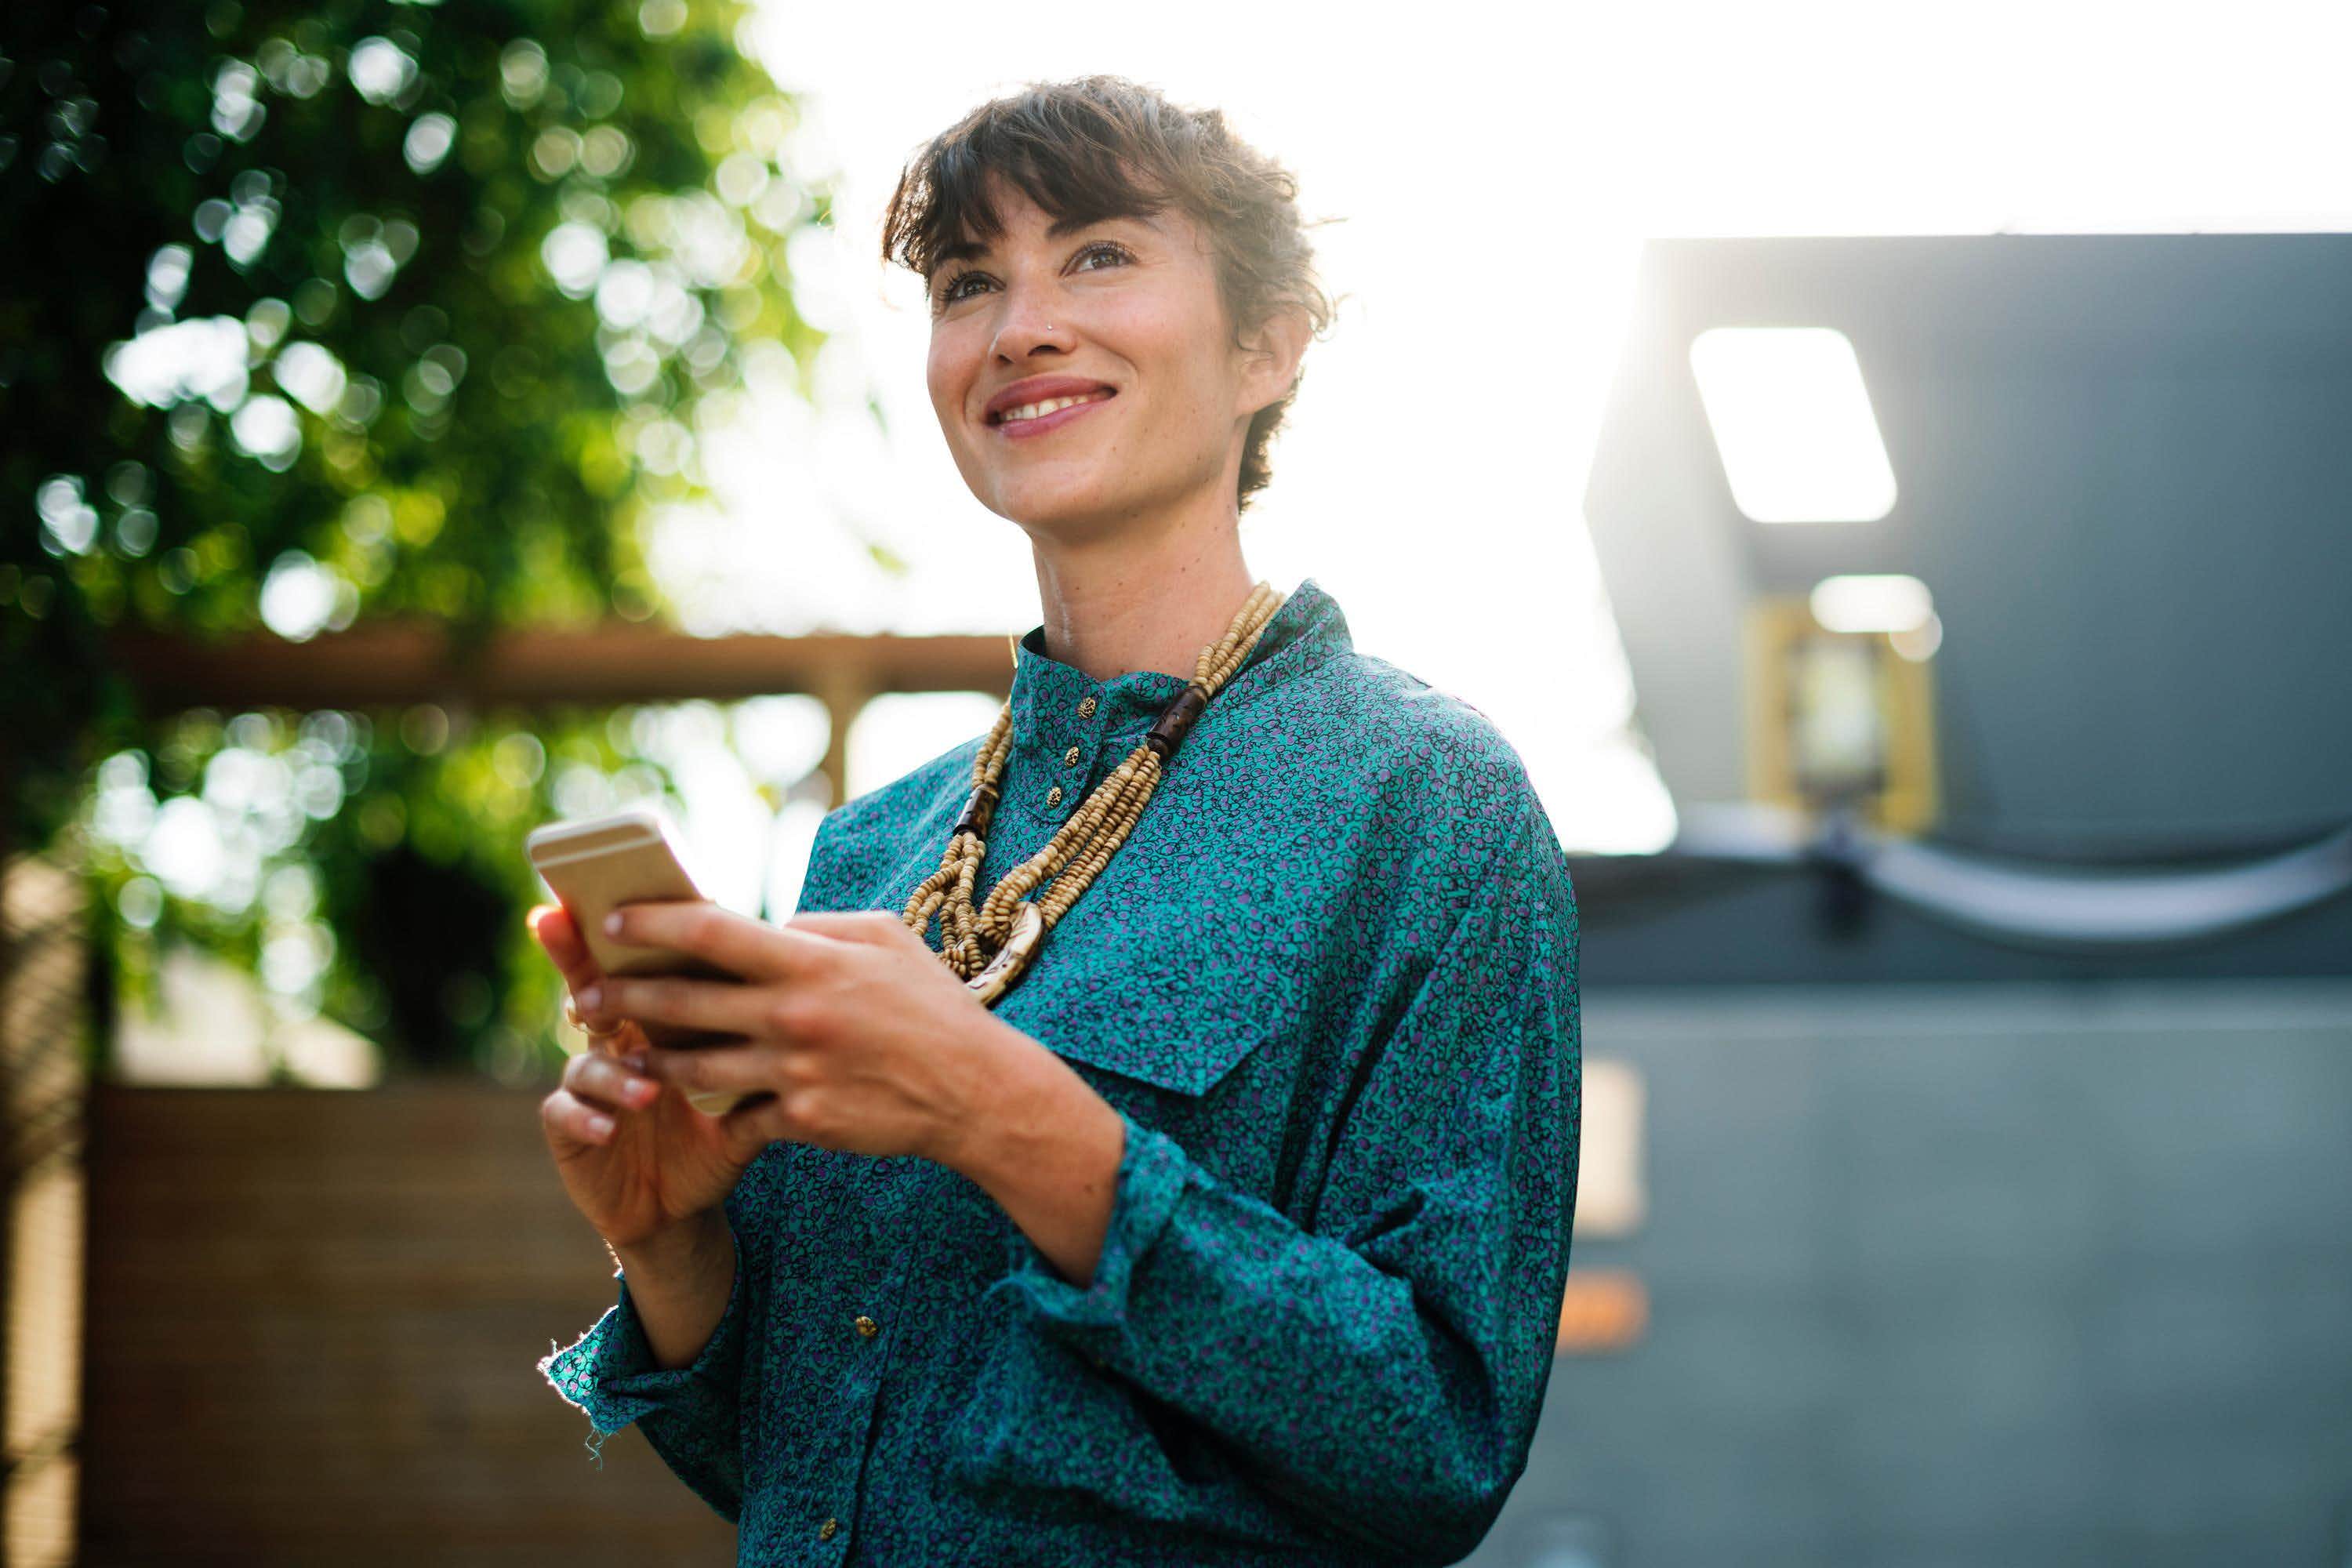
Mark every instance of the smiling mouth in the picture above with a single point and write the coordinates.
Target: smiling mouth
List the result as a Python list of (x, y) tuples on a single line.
[(1043, 406)]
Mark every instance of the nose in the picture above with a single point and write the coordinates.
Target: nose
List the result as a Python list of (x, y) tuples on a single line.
[(1029, 328)]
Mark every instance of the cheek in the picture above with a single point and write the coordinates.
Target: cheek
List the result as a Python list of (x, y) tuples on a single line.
[(1181, 362), (948, 372)]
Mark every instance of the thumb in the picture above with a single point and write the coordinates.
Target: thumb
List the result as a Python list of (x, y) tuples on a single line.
[(748, 1128)]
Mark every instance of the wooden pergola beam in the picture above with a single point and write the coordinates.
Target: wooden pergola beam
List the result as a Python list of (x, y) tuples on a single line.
[(394, 663)]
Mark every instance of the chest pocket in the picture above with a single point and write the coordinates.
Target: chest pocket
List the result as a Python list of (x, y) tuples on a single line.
[(1170, 991), (1176, 965)]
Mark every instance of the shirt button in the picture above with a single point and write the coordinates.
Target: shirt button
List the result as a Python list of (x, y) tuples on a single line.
[(1070, 758), (866, 1326), (1053, 796), (824, 1531), (1087, 709)]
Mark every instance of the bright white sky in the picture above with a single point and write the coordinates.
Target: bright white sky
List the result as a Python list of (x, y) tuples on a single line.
[(1496, 167)]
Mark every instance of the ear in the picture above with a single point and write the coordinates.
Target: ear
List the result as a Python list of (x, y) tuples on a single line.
[(1270, 358)]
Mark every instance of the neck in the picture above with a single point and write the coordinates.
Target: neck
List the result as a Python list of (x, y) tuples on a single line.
[(1142, 598)]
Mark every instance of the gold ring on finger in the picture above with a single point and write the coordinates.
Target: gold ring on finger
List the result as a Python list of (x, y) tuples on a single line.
[(572, 1016)]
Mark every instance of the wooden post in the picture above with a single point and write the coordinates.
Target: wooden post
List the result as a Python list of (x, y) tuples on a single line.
[(844, 689), (44, 1025)]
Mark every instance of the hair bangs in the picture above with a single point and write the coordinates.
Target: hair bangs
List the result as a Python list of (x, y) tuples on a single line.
[(951, 202)]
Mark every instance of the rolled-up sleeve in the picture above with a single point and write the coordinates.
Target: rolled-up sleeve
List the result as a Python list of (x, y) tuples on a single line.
[(691, 1416), (1379, 1361)]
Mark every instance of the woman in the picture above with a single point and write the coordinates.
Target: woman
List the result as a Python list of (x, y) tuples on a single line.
[(1170, 1149)]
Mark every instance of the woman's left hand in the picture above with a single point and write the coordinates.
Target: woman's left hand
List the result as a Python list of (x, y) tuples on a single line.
[(868, 1042)]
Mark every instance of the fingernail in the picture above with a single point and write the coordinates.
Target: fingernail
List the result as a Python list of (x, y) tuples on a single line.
[(600, 1125), (613, 923), (589, 996), (636, 1060)]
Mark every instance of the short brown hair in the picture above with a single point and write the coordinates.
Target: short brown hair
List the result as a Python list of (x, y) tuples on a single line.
[(1102, 146)]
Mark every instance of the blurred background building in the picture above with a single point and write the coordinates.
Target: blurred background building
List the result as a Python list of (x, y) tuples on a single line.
[(1984, 599)]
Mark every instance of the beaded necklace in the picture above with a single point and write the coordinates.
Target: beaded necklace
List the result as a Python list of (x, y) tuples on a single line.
[(992, 946)]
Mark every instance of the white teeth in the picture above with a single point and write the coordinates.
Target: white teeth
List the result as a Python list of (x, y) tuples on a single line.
[(1038, 410)]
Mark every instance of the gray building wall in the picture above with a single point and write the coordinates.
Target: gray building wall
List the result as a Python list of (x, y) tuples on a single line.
[(1982, 1273)]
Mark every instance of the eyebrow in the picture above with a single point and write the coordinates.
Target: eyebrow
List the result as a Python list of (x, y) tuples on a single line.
[(1061, 228)]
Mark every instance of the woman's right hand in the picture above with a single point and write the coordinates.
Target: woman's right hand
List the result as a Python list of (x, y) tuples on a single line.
[(637, 1160)]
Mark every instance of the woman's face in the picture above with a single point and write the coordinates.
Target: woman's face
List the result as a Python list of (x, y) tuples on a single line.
[(1123, 315)]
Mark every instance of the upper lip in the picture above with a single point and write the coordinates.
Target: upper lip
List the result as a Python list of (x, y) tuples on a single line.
[(1038, 388)]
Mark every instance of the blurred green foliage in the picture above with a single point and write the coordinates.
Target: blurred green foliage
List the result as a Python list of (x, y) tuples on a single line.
[(314, 312)]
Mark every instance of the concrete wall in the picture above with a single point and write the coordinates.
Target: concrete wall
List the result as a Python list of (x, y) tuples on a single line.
[(2017, 1274)]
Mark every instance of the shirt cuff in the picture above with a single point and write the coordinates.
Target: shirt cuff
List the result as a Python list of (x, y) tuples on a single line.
[(610, 1371), (1153, 1171)]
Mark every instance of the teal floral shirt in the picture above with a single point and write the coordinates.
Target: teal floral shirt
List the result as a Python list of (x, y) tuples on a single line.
[(1329, 983)]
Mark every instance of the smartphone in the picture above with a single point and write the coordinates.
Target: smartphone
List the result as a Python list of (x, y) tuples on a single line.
[(595, 865)]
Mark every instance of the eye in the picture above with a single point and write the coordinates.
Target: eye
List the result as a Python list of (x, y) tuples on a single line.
[(1116, 253), (949, 295)]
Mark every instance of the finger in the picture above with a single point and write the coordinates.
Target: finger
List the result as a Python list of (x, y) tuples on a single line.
[(724, 1006), (608, 1084), (602, 1026), (852, 925), (602, 1030), (566, 1113), (553, 926), (754, 1123), (746, 1069), (737, 943)]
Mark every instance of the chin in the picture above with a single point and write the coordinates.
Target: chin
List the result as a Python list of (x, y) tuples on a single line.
[(1044, 502)]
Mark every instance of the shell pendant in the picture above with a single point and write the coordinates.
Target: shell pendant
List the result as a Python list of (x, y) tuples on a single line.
[(1012, 958)]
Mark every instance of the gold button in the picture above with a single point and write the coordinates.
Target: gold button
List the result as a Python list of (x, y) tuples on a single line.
[(1087, 709), (1053, 796), (824, 1531), (1070, 758), (868, 1326)]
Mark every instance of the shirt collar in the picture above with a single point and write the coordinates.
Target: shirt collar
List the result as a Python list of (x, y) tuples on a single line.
[(1046, 693)]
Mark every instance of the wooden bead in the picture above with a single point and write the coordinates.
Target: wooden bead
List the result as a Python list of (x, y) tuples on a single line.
[(1176, 721), (977, 810)]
